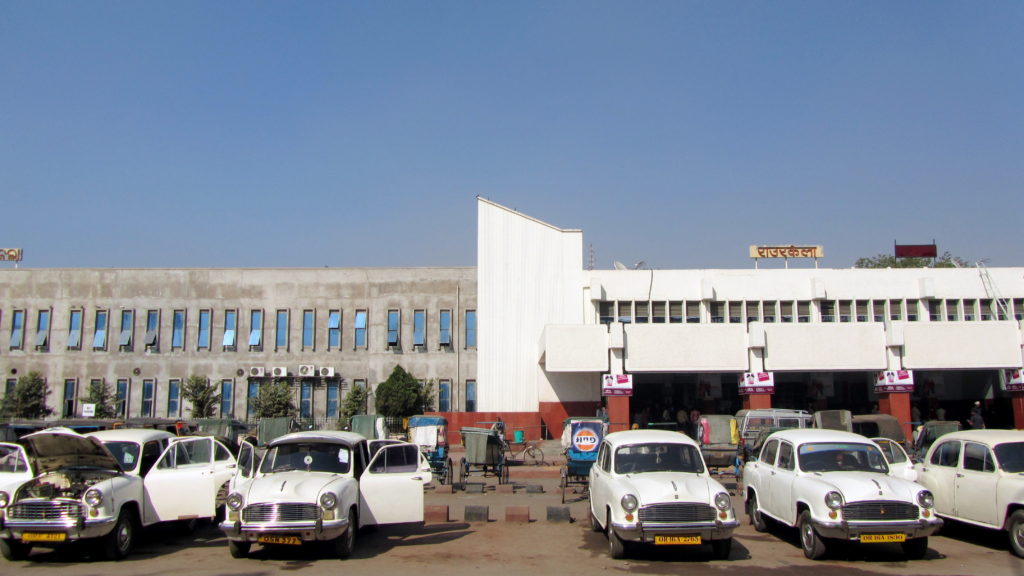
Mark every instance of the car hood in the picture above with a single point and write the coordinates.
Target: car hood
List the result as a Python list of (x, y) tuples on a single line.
[(858, 486), (653, 487), (53, 450), (294, 486)]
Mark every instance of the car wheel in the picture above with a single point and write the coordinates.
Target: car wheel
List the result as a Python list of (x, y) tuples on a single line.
[(595, 526), (1016, 529), (757, 520), (916, 548), (13, 550), (239, 549), (721, 548), (616, 547), (119, 542), (812, 544), (345, 543)]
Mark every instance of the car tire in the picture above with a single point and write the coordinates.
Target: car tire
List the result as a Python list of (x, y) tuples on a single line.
[(120, 541), (13, 551), (915, 548), (721, 548), (595, 526), (346, 543), (1015, 528), (812, 544), (616, 547), (757, 520), (239, 549)]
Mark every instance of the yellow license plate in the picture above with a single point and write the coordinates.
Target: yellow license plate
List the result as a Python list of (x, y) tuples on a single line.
[(43, 537), (880, 538), (289, 540), (677, 540)]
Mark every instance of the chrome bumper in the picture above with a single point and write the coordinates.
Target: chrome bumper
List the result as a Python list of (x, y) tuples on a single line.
[(853, 530), (646, 531), (81, 529), (306, 531)]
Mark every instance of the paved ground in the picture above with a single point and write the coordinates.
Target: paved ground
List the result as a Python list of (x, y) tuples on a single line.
[(539, 548)]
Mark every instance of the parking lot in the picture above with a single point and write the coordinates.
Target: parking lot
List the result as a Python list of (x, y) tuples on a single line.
[(538, 547)]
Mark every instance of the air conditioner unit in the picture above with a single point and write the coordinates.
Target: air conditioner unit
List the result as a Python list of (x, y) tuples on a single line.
[(257, 371), (307, 370), (280, 371), (327, 371)]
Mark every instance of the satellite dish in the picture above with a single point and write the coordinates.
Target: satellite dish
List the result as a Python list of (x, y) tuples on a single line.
[(640, 265), (619, 265)]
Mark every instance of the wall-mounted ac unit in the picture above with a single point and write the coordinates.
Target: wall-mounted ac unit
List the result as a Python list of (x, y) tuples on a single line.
[(257, 371), (327, 371), (307, 370), (279, 371)]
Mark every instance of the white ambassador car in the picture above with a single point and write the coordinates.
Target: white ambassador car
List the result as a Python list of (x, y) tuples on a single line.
[(82, 492), (836, 485), (977, 477), (14, 468), (321, 486), (651, 486)]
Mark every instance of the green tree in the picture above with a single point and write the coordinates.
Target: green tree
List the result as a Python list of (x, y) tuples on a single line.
[(28, 399), (102, 396), (202, 394), (354, 403), (401, 395), (274, 400), (947, 260)]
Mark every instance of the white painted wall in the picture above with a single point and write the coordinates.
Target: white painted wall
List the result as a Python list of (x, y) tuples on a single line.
[(825, 346), (686, 347)]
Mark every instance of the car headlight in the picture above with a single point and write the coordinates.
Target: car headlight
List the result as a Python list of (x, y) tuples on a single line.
[(234, 501), (328, 500), (5, 499), (834, 500), (629, 502), (723, 501), (93, 497), (925, 499)]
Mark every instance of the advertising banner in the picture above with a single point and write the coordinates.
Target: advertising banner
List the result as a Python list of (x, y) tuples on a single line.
[(1015, 380), (586, 436), (895, 381), (617, 385), (757, 383)]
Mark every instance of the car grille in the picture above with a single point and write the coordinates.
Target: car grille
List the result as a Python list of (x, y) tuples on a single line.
[(880, 511), (677, 513), (46, 510), (284, 512)]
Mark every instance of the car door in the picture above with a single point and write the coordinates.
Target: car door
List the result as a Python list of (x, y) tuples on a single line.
[(391, 487), (938, 474), (764, 468), (900, 465), (976, 485), (780, 488), (246, 464), (599, 479), (14, 467), (182, 484)]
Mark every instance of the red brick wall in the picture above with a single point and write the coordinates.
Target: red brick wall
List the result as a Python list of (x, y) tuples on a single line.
[(528, 422)]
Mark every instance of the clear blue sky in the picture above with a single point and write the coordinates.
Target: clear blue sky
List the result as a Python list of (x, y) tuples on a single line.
[(198, 133)]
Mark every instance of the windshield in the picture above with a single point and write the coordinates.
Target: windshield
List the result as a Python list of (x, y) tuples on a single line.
[(126, 454), (658, 457), (840, 456), (311, 457), (1011, 457), (11, 460)]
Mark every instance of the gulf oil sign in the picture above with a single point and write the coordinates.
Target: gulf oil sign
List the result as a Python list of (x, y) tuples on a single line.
[(584, 438)]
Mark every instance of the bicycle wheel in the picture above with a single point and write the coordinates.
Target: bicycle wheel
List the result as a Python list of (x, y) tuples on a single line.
[(533, 456)]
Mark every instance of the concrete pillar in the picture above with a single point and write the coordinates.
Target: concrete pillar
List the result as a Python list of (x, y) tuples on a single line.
[(618, 413), (897, 404), (757, 401), (1017, 401)]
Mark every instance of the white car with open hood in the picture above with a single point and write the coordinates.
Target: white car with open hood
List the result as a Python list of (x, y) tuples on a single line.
[(651, 486), (321, 486), (836, 485), (81, 492)]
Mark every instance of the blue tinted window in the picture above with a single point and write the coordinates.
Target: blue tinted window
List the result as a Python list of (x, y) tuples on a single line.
[(43, 328), (470, 328), (121, 399), (334, 329), (306, 400), (254, 392), (147, 398), (230, 328), (419, 327), (203, 343), (444, 396), (256, 328), (332, 399), (394, 321), (226, 387), (470, 395), (281, 330), (173, 397), (127, 325), (360, 328), (445, 332), (308, 328), (75, 330), (178, 331), (99, 338), (152, 327), (17, 329), (68, 410)]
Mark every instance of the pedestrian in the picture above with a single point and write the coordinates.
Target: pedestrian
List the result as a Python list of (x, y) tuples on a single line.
[(940, 413), (915, 414), (977, 421)]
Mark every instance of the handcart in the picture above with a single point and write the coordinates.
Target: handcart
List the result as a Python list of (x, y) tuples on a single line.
[(719, 440), (485, 452), (581, 437), (430, 433)]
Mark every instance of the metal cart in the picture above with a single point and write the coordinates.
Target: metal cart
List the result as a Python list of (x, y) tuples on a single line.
[(430, 433), (485, 452), (581, 438)]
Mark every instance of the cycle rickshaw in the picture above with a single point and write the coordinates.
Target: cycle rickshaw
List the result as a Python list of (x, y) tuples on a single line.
[(581, 437), (485, 452), (430, 433)]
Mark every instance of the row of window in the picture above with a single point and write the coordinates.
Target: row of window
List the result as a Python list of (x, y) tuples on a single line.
[(738, 312), (72, 398), (229, 330)]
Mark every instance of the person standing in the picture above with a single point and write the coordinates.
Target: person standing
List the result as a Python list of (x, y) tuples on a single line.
[(976, 421)]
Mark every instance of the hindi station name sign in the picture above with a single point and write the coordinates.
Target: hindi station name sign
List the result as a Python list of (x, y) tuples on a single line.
[(787, 252)]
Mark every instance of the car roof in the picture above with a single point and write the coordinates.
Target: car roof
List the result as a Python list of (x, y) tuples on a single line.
[(644, 436), (332, 436), (131, 435), (988, 436), (803, 435)]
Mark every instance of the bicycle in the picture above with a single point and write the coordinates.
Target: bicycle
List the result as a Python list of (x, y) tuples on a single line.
[(530, 454)]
